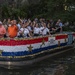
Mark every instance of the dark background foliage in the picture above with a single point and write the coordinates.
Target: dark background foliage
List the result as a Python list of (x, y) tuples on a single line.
[(49, 9)]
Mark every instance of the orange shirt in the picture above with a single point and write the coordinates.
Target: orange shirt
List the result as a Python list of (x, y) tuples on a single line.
[(12, 31)]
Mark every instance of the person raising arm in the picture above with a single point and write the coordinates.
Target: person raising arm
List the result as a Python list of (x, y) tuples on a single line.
[(2, 30)]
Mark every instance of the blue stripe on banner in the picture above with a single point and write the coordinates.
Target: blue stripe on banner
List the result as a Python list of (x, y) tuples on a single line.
[(23, 53)]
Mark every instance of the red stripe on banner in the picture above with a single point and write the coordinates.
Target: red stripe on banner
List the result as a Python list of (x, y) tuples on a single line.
[(22, 42), (61, 37), (74, 35)]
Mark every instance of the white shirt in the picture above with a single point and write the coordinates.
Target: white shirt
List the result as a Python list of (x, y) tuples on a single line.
[(26, 32), (44, 31), (36, 30), (41, 28), (29, 28), (20, 31), (19, 26)]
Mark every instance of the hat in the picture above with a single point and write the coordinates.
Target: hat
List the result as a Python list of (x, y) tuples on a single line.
[(0, 22)]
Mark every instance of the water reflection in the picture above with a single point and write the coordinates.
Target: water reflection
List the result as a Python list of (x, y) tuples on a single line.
[(62, 64)]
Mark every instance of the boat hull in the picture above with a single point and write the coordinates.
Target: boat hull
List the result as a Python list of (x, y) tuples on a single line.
[(28, 61), (17, 53)]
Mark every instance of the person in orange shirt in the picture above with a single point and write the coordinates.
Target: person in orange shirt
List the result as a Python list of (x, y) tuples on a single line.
[(13, 29), (2, 30)]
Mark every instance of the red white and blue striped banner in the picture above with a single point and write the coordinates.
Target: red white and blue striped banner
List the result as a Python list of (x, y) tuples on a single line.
[(23, 47)]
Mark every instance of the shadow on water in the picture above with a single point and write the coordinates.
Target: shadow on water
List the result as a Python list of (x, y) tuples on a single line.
[(61, 64)]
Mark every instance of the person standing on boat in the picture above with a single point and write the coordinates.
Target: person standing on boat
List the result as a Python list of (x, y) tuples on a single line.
[(36, 30), (59, 26), (51, 28), (30, 27), (24, 32), (13, 29), (44, 30), (2, 30)]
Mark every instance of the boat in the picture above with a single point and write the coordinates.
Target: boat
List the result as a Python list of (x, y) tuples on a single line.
[(19, 52)]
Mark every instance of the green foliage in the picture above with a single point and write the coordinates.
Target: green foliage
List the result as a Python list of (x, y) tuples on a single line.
[(56, 9), (49, 9), (13, 12)]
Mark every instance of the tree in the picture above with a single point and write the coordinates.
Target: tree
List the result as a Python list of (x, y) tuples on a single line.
[(60, 9)]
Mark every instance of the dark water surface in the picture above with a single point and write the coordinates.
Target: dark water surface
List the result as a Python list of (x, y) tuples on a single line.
[(63, 64)]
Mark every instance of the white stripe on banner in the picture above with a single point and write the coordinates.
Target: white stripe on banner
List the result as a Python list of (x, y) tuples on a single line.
[(23, 47), (34, 46)]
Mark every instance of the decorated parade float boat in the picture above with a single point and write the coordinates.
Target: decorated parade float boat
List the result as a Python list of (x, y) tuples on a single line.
[(19, 52)]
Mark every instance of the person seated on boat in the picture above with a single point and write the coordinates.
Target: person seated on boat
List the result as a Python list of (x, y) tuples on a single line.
[(2, 30), (36, 30), (44, 30), (13, 29)]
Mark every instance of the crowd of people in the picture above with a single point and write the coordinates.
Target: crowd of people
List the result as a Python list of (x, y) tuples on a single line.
[(28, 28)]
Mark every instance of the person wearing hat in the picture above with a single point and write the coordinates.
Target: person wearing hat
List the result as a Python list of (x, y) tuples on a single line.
[(2, 30)]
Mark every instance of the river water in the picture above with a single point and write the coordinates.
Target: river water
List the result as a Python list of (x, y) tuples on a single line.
[(62, 64)]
